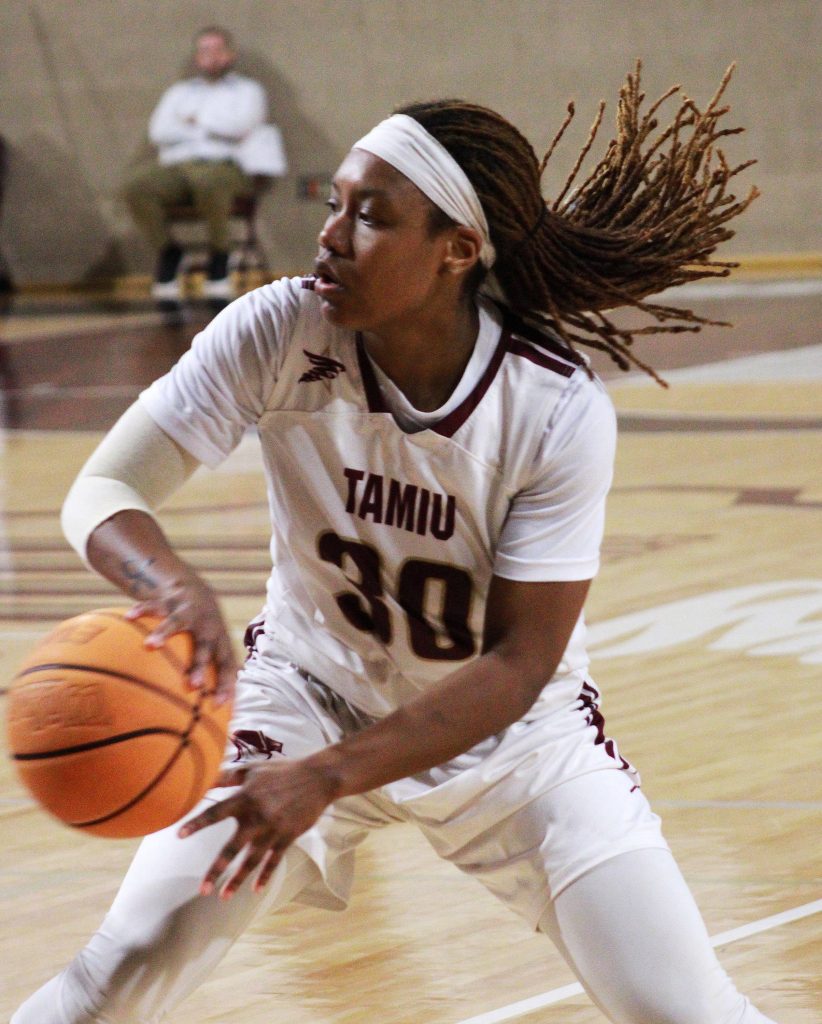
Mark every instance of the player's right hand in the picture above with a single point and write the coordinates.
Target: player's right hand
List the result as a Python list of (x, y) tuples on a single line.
[(131, 550), (190, 605)]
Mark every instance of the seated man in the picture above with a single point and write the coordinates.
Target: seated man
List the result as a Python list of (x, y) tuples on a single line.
[(199, 127)]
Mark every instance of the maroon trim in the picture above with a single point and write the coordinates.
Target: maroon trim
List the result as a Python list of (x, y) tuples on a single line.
[(541, 358), (373, 395), (253, 631), (448, 426), (589, 699), (544, 339), (451, 423)]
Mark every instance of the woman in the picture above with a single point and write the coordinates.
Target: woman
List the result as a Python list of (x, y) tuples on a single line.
[(438, 456)]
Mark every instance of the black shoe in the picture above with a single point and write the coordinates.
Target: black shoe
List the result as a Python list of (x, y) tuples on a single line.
[(218, 266), (166, 286), (168, 263), (218, 286)]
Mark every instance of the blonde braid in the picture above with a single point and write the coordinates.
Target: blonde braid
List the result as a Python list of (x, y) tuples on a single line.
[(648, 217)]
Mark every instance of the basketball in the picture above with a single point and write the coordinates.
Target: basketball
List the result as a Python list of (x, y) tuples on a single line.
[(106, 734)]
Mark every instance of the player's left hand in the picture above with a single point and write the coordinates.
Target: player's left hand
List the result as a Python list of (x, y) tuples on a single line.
[(277, 802)]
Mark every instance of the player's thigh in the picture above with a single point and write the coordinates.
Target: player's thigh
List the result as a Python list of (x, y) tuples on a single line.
[(166, 871), (275, 714), (527, 848)]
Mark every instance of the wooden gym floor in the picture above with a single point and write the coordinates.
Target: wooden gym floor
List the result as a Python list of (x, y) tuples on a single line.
[(706, 633)]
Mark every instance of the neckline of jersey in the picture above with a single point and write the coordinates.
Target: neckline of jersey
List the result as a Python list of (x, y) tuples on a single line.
[(452, 421)]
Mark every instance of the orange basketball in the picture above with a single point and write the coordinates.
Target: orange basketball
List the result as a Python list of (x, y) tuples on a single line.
[(106, 734)]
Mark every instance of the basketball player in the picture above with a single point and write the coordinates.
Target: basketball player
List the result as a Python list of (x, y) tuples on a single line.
[(437, 456)]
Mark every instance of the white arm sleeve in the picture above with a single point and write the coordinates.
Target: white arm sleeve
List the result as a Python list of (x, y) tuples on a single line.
[(136, 466)]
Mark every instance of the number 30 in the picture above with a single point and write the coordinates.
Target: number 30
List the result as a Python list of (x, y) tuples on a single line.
[(367, 610)]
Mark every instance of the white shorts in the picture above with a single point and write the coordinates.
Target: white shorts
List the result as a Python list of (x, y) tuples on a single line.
[(526, 812)]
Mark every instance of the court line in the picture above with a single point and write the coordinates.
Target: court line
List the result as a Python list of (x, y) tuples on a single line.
[(766, 923), (798, 365), (559, 995), (779, 805), (789, 289)]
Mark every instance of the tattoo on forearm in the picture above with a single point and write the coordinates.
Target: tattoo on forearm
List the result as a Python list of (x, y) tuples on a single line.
[(136, 574)]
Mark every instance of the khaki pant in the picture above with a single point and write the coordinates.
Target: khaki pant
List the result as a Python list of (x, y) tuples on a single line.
[(211, 186)]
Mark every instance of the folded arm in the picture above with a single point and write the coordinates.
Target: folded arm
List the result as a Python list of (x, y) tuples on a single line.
[(169, 122), (248, 109)]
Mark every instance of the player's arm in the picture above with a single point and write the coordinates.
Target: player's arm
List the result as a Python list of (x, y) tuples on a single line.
[(528, 626), (108, 518)]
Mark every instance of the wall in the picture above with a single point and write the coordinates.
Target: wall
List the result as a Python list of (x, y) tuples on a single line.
[(79, 78)]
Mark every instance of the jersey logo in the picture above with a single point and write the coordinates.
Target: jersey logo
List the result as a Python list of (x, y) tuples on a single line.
[(322, 367), (252, 742)]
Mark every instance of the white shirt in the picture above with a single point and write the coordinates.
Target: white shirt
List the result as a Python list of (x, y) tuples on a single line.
[(225, 111), (384, 540)]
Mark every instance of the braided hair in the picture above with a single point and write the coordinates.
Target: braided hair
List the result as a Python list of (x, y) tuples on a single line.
[(648, 216)]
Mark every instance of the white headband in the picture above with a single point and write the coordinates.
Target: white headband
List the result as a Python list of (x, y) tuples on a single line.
[(406, 145)]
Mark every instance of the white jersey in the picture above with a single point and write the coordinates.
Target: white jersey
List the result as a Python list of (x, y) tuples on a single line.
[(385, 538)]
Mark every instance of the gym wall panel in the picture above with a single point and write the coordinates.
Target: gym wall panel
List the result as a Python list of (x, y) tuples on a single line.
[(79, 79)]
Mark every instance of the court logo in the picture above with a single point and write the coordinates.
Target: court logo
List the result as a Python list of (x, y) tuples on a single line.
[(762, 620), (322, 367)]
